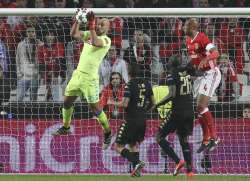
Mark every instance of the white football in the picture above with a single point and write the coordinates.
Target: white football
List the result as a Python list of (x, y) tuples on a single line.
[(81, 16)]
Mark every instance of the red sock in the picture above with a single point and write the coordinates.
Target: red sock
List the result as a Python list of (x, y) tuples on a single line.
[(205, 130), (209, 121)]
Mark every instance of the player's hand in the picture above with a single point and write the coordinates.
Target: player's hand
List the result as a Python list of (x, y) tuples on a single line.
[(91, 20), (74, 17), (110, 102), (90, 16)]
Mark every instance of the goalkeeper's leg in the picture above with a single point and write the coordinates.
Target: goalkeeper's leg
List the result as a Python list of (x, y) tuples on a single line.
[(67, 111), (103, 120)]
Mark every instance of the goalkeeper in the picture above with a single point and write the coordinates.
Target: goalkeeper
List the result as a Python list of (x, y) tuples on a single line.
[(85, 79)]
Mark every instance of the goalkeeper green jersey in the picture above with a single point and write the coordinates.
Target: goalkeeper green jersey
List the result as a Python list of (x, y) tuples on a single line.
[(159, 93), (92, 56)]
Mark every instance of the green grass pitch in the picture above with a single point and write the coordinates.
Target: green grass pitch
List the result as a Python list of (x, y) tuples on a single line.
[(120, 178)]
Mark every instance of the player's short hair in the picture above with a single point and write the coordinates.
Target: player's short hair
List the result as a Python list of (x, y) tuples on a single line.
[(174, 61), (192, 22), (133, 70)]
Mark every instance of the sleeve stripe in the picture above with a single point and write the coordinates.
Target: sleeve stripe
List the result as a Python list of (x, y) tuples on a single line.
[(210, 46)]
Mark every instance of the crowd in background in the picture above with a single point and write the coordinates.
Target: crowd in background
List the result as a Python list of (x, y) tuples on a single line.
[(38, 56), (121, 3)]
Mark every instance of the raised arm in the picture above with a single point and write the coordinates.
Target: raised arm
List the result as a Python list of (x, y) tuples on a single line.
[(102, 27), (75, 32)]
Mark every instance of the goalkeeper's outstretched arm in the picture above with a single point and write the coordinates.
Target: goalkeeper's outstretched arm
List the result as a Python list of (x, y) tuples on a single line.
[(100, 29), (75, 32)]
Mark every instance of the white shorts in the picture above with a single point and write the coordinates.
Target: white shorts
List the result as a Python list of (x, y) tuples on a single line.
[(208, 83)]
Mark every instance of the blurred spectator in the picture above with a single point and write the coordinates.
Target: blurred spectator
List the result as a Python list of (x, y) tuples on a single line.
[(27, 67), (110, 4), (87, 4), (124, 3), (115, 32), (112, 63), (4, 74), (225, 3), (4, 59), (229, 88), (12, 30), (60, 3), (4, 87), (21, 3), (210, 31), (240, 3), (40, 4), (233, 37), (112, 95), (7, 4), (161, 3), (139, 52), (52, 64), (203, 4), (170, 39), (177, 4)]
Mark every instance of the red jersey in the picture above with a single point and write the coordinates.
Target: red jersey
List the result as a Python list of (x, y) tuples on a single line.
[(197, 48), (47, 57), (108, 94)]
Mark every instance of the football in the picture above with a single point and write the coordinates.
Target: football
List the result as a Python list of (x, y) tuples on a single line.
[(81, 16)]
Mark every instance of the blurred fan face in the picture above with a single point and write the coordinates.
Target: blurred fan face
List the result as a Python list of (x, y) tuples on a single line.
[(39, 4), (87, 4), (203, 3), (112, 53), (31, 20), (31, 34), (60, 3), (115, 80), (232, 22), (102, 26), (138, 37), (21, 3), (50, 38)]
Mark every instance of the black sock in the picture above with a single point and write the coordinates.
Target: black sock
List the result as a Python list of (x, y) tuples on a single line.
[(187, 155), (130, 156), (168, 150), (137, 155)]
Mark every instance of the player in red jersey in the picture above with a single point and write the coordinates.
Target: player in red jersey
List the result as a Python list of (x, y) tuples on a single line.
[(203, 56)]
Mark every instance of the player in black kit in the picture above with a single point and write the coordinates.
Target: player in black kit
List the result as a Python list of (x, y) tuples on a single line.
[(182, 116), (138, 97)]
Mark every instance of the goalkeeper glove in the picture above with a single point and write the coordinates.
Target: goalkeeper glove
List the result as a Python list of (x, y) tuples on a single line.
[(91, 20)]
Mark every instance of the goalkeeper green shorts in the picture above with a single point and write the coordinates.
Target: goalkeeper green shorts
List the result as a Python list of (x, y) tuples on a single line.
[(81, 85)]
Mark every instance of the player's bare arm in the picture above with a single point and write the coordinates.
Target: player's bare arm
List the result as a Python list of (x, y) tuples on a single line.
[(96, 29), (75, 32), (212, 55)]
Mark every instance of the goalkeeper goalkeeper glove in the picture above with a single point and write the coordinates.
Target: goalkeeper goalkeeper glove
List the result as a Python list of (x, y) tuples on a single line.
[(91, 20)]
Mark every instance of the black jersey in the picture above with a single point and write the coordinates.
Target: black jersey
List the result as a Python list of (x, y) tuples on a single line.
[(139, 92), (183, 100)]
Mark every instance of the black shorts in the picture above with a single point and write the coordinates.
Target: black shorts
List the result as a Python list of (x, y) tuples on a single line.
[(181, 122), (131, 133)]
